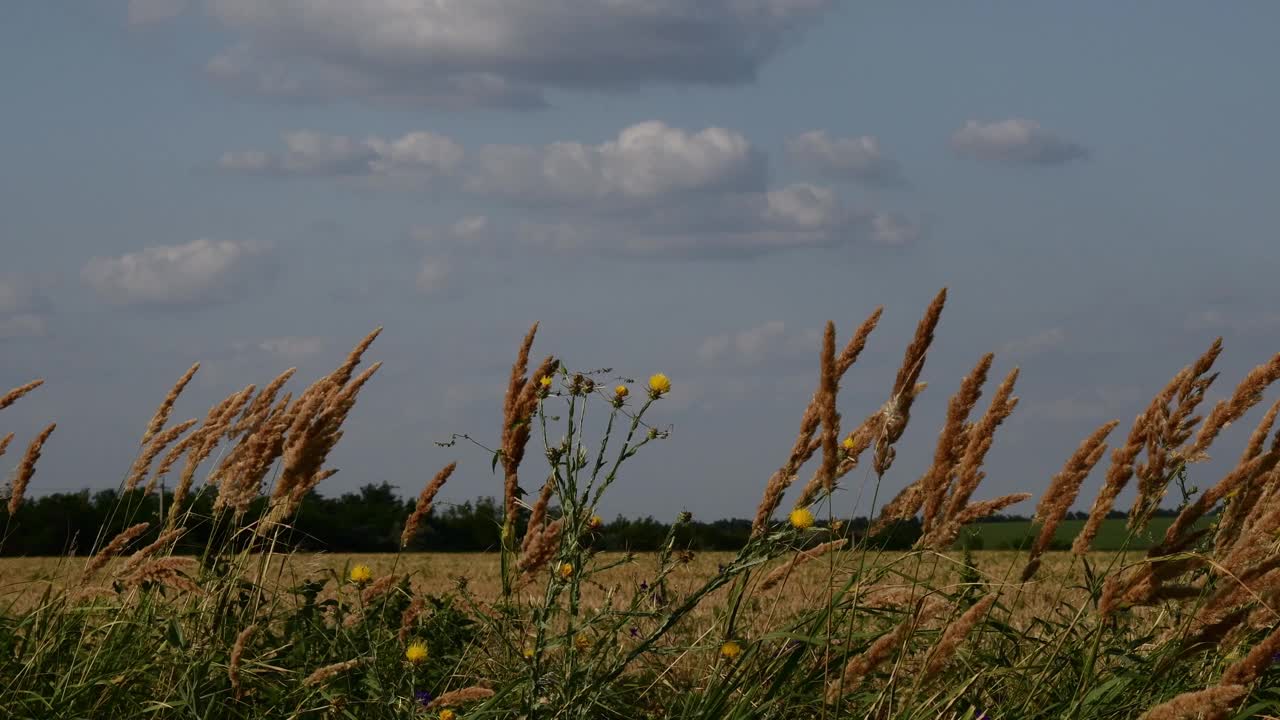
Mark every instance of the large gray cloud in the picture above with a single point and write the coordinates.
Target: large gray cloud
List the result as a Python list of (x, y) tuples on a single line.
[(653, 190), (1016, 141), (497, 52), (201, 271)]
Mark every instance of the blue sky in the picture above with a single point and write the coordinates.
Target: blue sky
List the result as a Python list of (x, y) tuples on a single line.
[(692, 187)]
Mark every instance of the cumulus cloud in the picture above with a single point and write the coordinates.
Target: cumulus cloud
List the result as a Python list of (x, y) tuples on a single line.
[(652, 190), (23, 313), (646, 161), (1035, 344), (316, 154), (1016, 141), (504, 53), (198, 272), (854, 158)]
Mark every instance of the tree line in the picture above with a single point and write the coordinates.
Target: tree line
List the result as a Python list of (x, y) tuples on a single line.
[(366, 521)]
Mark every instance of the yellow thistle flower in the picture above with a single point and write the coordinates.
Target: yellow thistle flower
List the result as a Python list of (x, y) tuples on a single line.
[(361, 574), (659, 384), (595, 523), (416, 653), (730, 650), (801, 519), (582, 643), (566, 571), (545, 381), (621, 391), (447, 714), (848, 443)]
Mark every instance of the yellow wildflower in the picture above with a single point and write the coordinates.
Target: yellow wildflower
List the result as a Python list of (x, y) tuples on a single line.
[(447, 714), (582, 642), (595, 523), (416, 653), (566, 571), (659, 384), (730, 650), (848, 443), (545, 381), (621, 391), (528, 653), (361, 574), (801, 519)]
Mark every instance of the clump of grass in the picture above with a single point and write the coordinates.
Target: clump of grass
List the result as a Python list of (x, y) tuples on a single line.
[(812, 617)]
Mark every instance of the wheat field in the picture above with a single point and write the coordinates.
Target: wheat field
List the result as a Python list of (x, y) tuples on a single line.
[(806, 620)]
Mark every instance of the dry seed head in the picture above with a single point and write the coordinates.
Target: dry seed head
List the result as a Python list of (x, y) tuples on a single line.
[(328, 672), (1118, 475), (859, 667), (1247, 394), (979, 440), (423, 506), (461, 696), (937, 481), (113, 548), (410, 617), (159, 441), (16, 394), (161, 416), (1252, 665), (827, 415), (342, 374), (1063, 490), (4, 443), (27, 468), (541, 549), (538, 513), (138, 557), (955, 633), (1212, 703), (781, 573), (897, 412), (237, 653), (164, 571)]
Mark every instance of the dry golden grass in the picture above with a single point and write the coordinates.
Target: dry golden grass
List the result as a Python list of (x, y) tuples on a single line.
[(25, 579)]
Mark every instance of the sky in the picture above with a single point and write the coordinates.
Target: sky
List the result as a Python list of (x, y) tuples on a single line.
[(686, 186)]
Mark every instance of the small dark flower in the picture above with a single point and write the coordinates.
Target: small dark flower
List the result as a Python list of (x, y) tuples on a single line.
[(635, 632), (644, 585), (423, 697)]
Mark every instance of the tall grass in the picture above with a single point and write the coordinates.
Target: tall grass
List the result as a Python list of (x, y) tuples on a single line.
[(807, 620)]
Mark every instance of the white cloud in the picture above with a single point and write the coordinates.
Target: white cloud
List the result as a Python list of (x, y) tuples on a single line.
[(647, 161), (854, 158), (22, 311), (147, 12), (470, 228), (200, 271), (756, 345), (1243, 323), (311, 153), (292, 347), (433, 275), (1016, 141), (1035, 344), (497, 52)]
